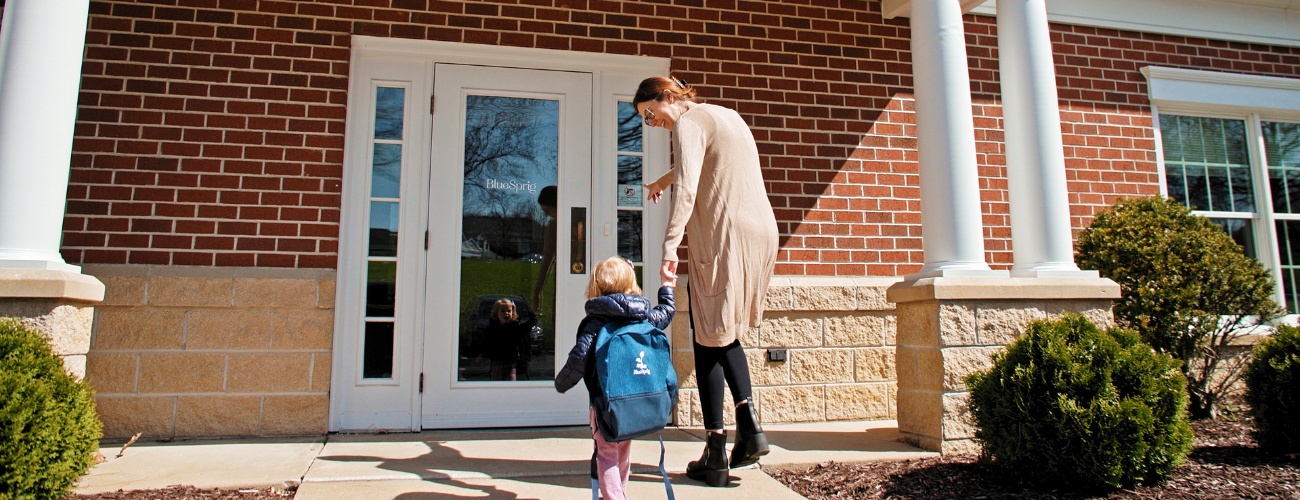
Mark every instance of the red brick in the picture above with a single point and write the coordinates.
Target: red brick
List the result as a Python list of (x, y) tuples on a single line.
[(826, 90)]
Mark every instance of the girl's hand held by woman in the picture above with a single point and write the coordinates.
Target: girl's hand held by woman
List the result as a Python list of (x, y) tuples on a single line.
[(668, 273)]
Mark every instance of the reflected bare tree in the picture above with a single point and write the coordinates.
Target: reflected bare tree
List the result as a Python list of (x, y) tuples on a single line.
[(629, 128), (511, 152)]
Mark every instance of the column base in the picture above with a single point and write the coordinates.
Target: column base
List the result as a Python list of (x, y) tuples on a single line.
[(956, 273), (39, 264), (950, 327), (59, 304), (1033, 273)]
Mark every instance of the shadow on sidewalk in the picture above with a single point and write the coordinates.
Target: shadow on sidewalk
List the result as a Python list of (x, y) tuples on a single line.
[(468, 464)]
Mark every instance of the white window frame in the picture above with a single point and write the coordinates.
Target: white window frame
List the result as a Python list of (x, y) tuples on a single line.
[(354, 404), (1251, 98)]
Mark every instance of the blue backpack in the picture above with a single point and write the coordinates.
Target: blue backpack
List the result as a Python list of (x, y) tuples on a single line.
[(638, 386)]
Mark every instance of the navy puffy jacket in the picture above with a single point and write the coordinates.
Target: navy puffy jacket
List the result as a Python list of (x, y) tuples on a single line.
[(615, 307)]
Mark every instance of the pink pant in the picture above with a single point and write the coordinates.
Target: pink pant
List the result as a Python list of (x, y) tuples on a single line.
[(613, 464)]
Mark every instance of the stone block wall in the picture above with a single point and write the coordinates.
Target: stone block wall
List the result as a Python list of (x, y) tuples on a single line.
[(954, 331), (65, 323), (201, 351), (59, 304), (838, 333)]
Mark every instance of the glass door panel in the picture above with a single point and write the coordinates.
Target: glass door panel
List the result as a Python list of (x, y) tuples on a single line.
[(508, 239)]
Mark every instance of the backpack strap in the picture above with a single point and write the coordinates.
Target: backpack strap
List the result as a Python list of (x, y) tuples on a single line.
[(668, 485), (595, 483)]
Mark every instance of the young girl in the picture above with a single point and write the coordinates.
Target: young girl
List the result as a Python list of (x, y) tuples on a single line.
[(507, 339), (612, 297)]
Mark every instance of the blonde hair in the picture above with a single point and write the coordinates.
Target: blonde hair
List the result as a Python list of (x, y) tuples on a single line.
[(613, 275), (501, 305)]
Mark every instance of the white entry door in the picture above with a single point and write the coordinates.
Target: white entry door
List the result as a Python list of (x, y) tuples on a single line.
[(493, 339)]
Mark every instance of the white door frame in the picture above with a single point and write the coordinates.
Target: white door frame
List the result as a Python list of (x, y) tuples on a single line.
[(355, 405), (447, 401)]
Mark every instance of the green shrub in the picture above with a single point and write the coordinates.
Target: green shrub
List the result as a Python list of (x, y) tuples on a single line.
[(1068, 404), (1187, 289), (48, 428), (1273, 391)]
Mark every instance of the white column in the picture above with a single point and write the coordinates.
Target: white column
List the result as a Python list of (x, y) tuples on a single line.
[(1040, 211), (951, 223), (41, 42)]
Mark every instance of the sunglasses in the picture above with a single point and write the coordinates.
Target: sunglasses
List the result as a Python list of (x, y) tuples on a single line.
[(648, 115)]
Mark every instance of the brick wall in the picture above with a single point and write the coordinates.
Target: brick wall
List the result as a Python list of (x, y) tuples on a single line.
[(210, 131), (208, 135)]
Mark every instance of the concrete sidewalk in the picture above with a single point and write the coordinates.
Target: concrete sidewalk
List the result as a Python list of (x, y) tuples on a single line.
[(509, 463)]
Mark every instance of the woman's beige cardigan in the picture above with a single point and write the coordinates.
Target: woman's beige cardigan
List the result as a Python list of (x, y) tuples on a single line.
[(719, 199)]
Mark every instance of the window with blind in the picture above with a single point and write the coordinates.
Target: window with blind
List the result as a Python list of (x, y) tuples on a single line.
[(1282, 158), (1209, 166)]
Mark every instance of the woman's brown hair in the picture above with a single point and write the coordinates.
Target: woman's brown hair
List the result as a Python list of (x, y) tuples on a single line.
[(653, 89)]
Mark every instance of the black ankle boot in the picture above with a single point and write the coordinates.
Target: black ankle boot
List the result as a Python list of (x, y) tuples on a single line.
[(712, 466), (751, 443)]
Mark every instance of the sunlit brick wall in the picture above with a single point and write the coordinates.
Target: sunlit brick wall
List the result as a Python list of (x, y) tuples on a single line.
[(210, 131)]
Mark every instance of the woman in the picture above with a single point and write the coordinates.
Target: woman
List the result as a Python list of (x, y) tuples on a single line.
[(719, 199)]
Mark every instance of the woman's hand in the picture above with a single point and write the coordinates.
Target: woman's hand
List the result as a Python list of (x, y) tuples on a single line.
[(654, 192), (668, 273)]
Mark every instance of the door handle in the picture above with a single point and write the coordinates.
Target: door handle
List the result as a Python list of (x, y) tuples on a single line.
[(578, 241)]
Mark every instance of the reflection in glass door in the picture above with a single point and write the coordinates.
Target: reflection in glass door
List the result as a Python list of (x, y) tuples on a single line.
[(508, 239)]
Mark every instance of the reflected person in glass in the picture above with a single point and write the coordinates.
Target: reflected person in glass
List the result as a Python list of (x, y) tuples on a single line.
[(506, 340), (720, 200), (547, 200)]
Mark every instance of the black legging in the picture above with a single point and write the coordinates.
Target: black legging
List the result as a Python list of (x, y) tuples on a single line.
[(712, 365)]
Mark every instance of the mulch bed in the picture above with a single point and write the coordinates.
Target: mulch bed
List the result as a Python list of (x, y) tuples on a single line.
[(191, 493), (1225, 463)]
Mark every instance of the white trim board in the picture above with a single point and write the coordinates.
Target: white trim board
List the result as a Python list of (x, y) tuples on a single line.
[(1272, 22), (1187, 90), (903, 8), (497, 55)]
